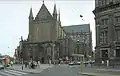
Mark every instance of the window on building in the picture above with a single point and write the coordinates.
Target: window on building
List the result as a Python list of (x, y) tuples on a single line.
[(117, 19), (117, 52), (105, 53), (100, 3), (104, 21), (118, 35), (105, 2)]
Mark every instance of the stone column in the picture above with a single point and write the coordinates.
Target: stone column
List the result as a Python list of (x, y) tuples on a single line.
[(53, 52), (110, 29), (111, 35), (97, 42), (97, 34)]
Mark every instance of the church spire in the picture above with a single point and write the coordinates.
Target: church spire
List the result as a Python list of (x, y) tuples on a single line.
[(59, 15), (31, 14), (55, 12)]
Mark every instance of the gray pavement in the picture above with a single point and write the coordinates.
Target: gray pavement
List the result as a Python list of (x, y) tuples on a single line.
[(101, 71), (65, 70), (61, 70), (9, 72), (18, 67)]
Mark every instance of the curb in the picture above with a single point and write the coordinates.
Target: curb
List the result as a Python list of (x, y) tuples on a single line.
[(89, 74), (109, 70), (95, 74)]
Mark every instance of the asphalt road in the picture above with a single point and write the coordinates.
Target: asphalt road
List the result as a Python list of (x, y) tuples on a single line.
[(62, 70)]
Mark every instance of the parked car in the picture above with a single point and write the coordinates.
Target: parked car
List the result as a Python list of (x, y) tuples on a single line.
[(75, 63), (71, 63)]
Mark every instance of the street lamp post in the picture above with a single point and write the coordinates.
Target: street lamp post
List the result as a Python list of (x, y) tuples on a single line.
[(82, 59)]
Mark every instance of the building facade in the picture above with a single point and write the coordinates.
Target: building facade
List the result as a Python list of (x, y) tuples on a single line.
[(82, 38), (47, 38), (107, 19)]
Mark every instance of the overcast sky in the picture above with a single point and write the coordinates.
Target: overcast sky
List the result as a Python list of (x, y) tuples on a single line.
[(14, 18)]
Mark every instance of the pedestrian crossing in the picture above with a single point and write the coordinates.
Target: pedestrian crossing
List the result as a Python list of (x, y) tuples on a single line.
[(11, 73)]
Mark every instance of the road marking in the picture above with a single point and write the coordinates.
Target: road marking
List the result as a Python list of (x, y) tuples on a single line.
[(18, 71), (5, 74), (13, 73)]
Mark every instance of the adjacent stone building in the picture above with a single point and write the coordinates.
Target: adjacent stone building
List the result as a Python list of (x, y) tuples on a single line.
[(107, 21), (82, 38)]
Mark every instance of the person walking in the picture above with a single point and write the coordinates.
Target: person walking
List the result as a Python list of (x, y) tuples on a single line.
[(107, 64), (49, 62), (38, 64), (103, 63), (11, 63)]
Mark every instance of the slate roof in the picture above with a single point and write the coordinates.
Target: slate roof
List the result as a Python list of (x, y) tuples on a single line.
[(77, 28)]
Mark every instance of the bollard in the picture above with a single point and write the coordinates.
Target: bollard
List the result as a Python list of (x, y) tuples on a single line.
[(82, 66)]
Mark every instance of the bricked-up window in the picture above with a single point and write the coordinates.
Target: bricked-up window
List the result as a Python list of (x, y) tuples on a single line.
[(117, 19), (101, 37), (118, 35), (104, 2), (104, 21), (106, 37)]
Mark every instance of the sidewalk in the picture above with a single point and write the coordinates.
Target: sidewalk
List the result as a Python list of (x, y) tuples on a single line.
[(100, 71), (36, 70)]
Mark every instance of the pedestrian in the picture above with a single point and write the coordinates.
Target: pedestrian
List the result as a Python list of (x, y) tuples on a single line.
[(11, 63), (29, 64), (25, 64), (22, 67), (103, 63), (107, 64), (49, 62), (91, 63), (38, 64)]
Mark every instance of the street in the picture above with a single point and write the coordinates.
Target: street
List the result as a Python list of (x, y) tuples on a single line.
[(61, 70)]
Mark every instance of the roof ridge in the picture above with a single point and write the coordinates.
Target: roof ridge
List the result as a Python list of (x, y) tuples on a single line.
[(76, 25)]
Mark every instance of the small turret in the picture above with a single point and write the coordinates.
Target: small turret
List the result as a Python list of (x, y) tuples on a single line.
[(59, 16), (31, 15), (55, 12)]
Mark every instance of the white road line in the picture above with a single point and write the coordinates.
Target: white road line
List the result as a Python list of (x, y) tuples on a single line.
[(13, 73), (0, 75), (6, 74), (18, 72)]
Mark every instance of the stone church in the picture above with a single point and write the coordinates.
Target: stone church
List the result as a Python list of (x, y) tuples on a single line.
[(47, 39)]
